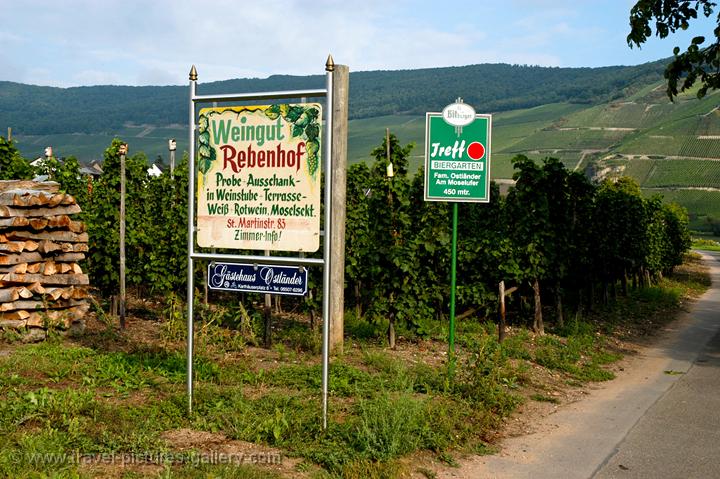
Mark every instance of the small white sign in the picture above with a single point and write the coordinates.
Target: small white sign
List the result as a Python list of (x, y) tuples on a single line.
[(458, 114)]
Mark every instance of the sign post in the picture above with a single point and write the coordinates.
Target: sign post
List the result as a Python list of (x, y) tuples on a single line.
[(123, 299), (257, 173), (457, 169)]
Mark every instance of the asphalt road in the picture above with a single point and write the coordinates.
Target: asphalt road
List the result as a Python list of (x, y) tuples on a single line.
[(679, 436), (660, 418)]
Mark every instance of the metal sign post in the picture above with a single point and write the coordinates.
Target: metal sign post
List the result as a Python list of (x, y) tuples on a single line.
[(329, 68), (457, 169), (238, 210), (123, 299), (172, 146)]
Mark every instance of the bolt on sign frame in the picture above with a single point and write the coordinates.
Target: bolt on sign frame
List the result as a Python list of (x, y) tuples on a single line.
[(195, 255)]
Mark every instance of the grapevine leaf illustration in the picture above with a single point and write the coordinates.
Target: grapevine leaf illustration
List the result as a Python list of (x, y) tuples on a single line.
[(297, 130), (312, 131), (202, 124), (204, 138), (303, 120), (294, 113), (284, 109), (204, 151), (204, 165), (273, 112), (206, 156)]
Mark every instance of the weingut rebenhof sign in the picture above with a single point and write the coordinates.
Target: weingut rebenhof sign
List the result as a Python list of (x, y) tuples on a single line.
[(258, 183)]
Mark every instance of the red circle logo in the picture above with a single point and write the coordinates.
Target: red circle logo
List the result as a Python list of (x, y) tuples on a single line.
[(476, 150)]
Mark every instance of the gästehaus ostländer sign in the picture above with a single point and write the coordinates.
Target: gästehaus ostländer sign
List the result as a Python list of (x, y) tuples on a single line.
[(258, 278), (258, 181)]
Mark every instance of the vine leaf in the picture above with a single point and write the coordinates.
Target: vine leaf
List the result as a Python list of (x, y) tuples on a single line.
[(273, 112), (204, 138), (207, 157), (304, 125), (312, 131), (202, 124), (297, 130), (294, 113)]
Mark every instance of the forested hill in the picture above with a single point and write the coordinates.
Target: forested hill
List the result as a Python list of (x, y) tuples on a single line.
[(36, 110)]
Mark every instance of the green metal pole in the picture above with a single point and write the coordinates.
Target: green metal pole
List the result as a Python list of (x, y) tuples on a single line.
[(453, 261)]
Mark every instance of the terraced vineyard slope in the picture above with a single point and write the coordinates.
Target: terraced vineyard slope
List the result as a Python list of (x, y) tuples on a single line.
[(671, 149)]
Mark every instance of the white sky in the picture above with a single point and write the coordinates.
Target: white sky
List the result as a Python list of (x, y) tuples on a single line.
[(132, 42)]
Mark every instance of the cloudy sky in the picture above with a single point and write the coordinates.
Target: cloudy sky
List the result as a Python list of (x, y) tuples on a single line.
[(131, 42)]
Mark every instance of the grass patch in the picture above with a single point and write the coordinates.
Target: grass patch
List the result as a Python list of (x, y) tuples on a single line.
[(388, 427), (205, 471), (114, 394), (367, 469), (580, 356), (543, 398), (705, 244)]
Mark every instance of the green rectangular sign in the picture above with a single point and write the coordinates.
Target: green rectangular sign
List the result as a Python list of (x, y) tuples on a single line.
[(457, 159)]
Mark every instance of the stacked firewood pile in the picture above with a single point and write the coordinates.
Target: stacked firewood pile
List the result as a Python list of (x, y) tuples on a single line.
[(42, 285)]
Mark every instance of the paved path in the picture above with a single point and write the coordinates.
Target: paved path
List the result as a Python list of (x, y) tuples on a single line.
[(660, 418)]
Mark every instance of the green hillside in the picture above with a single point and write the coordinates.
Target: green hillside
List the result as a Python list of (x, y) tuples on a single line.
[(35, 110), (366, 134), (604, 121), (87, 147), (82, 121), (672, 149)]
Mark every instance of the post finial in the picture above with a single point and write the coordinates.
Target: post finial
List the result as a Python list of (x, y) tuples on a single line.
[(330, 64), (193, 74)]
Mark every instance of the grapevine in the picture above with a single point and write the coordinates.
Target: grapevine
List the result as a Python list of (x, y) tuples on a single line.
[(305, 125), (206, 154)]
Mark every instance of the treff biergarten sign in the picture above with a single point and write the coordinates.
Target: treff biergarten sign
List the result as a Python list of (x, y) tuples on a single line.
[(457, 155)]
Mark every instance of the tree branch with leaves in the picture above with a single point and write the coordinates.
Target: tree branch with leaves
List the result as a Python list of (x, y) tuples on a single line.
[(700, 62)]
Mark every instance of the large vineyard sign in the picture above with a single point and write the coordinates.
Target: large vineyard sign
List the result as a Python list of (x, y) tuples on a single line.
[(258, 185), (255, 174)]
